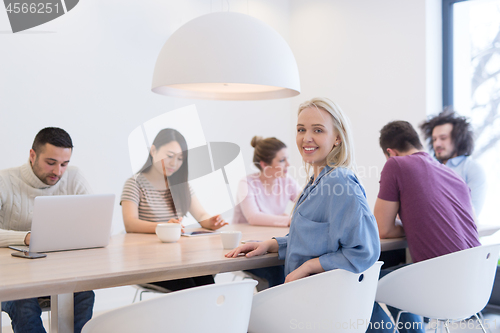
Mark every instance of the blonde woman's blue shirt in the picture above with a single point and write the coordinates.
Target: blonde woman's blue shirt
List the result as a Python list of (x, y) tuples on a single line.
[(332, 221)]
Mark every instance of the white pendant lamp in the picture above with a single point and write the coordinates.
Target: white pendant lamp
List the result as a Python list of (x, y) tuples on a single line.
[(226, 56)]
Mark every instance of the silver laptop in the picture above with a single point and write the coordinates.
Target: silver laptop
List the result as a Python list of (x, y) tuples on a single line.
[(70, 222)]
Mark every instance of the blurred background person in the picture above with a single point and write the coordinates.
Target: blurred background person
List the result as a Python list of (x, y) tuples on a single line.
[(452, 140), (264, 195)]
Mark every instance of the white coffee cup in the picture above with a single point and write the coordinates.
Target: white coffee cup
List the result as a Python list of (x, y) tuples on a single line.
[(230, 239), (168, 232)]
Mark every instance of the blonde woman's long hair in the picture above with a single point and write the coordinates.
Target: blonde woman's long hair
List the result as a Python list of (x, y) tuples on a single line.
[(343, 154)]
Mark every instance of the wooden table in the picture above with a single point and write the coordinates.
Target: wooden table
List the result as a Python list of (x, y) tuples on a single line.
[(129, 259)]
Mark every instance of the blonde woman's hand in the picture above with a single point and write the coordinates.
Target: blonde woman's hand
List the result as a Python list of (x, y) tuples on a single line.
[(250, 250), (311, 266), (254, 249)]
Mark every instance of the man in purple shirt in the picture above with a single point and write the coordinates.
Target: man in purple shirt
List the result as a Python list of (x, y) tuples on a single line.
[(432, 201)]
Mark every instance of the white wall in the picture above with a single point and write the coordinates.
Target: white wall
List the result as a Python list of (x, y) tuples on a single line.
[(371, 58), (90, 73)]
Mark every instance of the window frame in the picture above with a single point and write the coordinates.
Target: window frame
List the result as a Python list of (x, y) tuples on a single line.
[(447, 16)]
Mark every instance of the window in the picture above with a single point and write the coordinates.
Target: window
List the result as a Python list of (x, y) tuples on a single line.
[(471, 82)]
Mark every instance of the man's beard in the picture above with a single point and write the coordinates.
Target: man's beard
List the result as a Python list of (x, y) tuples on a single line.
[(441, 158), (44, 177)]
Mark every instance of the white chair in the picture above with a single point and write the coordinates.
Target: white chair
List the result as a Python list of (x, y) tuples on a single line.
[(448, 288), (333, 301), (262, 283), (214, 308), (147, 288)]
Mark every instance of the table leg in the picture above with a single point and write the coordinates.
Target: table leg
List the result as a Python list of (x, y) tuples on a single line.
[(408, 256), (62, 313)]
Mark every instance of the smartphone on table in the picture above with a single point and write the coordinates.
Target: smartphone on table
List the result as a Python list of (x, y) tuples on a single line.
[(198, 233), (29, 255)]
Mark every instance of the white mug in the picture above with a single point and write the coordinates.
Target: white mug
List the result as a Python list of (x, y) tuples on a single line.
[(168, 232), (230, 239)]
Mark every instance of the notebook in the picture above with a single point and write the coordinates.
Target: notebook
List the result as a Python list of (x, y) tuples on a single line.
[(70, 222)]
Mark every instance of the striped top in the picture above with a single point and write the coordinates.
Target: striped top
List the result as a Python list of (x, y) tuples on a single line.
[(154, 205)]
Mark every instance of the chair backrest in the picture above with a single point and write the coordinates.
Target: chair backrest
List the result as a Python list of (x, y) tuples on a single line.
[(333, 301), (213, 308), (453, 286)]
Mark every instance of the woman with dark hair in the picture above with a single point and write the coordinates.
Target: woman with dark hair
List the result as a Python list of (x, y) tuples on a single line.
[(147, 199)]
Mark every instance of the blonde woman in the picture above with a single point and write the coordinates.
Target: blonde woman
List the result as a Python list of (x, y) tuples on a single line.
[(332, 225)]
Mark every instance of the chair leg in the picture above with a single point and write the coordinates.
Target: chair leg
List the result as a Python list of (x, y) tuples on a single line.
[(395, 327), (480, 321), (397, 321), (446, 326), (398, 318), (135, 296)]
